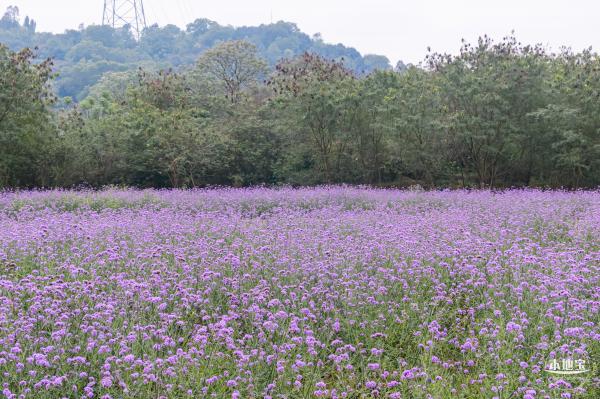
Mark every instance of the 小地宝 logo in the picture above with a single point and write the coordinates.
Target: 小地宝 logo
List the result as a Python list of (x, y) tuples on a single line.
[(567, 366)]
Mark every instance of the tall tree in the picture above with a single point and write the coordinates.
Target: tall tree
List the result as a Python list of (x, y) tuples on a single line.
[(317, 93), (235, 65), (488, 91), (25, 95)]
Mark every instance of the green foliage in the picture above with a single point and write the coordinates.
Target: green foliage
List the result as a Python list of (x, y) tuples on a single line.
[(82, 56), (488, 91), (498, 114), (25, 133), (154, 136), (234, 65), (317, 96)]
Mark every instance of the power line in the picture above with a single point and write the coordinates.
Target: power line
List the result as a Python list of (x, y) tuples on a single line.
[(120, 13)]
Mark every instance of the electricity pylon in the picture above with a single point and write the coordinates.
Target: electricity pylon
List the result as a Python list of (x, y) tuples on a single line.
[(119, 13)]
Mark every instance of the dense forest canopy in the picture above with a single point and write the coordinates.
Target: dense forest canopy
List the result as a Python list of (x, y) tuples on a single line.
[(82, 56), (217, 105)]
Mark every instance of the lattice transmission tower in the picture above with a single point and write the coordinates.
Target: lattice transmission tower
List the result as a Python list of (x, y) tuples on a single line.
[(119, 13)]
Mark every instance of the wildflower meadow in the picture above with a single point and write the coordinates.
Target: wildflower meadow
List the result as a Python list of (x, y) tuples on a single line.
[(331, 292)]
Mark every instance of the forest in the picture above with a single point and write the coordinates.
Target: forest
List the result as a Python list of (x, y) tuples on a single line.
[(215, 105), (84, 55)]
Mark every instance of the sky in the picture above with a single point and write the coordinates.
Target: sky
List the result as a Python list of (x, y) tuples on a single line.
[(400, 30)]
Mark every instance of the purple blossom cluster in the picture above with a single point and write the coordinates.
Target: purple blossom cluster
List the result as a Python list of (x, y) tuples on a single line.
[(332, 292)]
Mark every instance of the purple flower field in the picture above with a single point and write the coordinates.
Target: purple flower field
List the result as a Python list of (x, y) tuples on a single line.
[(328, 292)]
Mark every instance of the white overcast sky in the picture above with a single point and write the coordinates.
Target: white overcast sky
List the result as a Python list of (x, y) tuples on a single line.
[(398, 29)]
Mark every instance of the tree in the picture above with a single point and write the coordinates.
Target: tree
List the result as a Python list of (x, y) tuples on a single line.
[(29, 25), (162, 43), (418, 145), (488, 90), (569, 151), (10, 19), (167, 46), (498, 114), (200, 26), (25, 95), (317, 94), (374, 62), (235, 65), (372, 123), (401, 66)]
